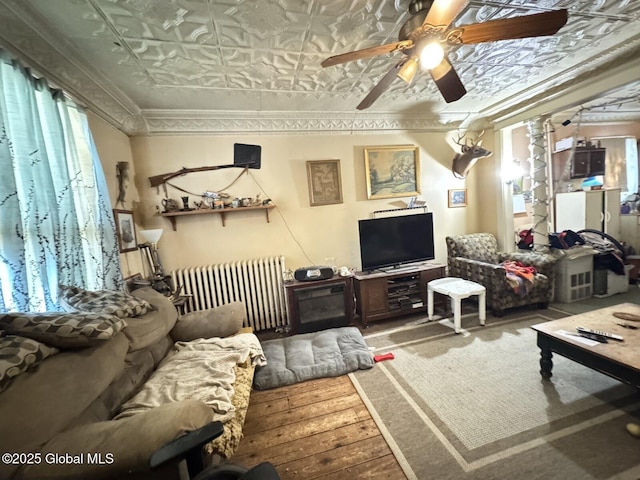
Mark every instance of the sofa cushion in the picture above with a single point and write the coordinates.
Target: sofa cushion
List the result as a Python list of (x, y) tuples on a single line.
[(45, 400), (117, 303), (220, 321), (63, 329), (129, 442), (17, 354), (150, 328)]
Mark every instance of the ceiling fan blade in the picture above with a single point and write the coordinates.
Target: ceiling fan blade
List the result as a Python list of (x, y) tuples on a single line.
[(443, 12), (366, 53), (536, 25), (448, 81), (380, 88)]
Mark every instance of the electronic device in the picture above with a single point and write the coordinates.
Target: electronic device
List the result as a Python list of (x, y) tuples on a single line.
[(310, 274), (601, 333), (591, 336), (246, 155), (394, 241)]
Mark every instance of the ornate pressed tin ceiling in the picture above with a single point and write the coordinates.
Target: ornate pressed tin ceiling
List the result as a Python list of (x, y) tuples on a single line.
[(165, 66)]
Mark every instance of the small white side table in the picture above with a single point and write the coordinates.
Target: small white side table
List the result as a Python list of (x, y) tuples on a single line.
[(457, 289)]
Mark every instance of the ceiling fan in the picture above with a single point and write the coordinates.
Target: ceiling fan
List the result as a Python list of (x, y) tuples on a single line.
[(424, 37)]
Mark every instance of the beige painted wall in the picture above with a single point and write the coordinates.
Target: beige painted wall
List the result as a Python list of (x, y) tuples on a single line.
[(113, 146), (305, 235)]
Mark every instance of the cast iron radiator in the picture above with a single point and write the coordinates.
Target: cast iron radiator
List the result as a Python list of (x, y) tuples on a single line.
[(258, 283)]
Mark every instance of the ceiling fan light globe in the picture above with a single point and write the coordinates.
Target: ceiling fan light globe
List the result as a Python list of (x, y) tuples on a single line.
[(431, 55), (408, 71)]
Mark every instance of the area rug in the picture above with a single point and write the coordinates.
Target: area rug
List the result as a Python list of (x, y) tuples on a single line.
[(473, 405), (327, 353)]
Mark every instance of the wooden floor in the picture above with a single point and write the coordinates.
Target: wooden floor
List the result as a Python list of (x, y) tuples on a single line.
[(319, 429)]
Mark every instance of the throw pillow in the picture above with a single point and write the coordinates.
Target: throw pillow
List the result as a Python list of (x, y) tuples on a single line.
[(17, 354), (114, 302), (63, 329), (220, 321)]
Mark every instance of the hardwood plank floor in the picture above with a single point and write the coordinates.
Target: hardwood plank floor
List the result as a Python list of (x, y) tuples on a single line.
[(319, 429)]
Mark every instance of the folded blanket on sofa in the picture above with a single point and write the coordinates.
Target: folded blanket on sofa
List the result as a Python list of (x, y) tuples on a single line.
[(519, 276), (202, 369)]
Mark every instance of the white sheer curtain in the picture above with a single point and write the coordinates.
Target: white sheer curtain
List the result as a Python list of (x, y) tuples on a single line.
[(633, 170), (621, 167), (56, 225), (615, 171)]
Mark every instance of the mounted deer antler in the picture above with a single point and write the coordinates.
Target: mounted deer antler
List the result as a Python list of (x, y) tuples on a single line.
[(470, 153)]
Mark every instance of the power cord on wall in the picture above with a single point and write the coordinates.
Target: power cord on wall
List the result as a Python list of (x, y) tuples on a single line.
[(284, 220), (566, 170)]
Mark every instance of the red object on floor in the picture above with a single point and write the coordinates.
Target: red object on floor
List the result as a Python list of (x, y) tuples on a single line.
[(384, 356)]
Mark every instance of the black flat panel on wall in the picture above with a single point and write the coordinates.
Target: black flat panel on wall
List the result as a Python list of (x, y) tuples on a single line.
[(247, 155)]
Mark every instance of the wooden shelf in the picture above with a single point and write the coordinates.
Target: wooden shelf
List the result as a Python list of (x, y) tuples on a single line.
[(173, 216)]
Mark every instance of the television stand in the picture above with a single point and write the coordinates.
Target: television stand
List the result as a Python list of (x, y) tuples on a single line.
[(381, 295)]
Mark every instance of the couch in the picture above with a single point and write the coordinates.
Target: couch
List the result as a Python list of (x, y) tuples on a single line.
[(475, 257), (65, 413)]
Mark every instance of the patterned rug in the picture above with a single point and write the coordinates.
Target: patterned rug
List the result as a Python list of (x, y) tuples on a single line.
[(473, 406)]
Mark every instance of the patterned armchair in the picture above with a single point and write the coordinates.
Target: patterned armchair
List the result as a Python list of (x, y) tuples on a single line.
[(475, 257)]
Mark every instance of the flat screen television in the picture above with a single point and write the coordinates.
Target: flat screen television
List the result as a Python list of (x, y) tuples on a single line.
[(394, 241)]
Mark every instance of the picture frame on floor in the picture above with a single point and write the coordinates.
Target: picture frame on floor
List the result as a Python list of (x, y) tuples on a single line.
[(134, 282)]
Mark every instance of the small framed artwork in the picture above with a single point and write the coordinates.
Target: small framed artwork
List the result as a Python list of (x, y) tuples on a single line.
[(392, 171), (458, 198), (325, 183), (125, 230)]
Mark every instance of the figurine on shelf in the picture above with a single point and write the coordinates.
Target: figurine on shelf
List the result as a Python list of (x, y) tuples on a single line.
[(170, 205), (185, 203)]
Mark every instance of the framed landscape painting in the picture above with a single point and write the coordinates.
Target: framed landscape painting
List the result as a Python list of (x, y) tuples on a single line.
[(325, 184), (392, 171)]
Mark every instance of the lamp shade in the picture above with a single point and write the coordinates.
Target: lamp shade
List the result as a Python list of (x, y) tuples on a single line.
[(151, 236), (408, 70)]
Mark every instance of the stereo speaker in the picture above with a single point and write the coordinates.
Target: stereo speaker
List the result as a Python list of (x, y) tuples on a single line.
[(310, 274)]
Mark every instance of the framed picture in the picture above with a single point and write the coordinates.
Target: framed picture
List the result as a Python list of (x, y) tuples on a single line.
[(125, 230), (325, 184), (458, 198), (392, 171)]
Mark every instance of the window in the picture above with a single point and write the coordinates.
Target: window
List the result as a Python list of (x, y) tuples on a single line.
[(56, 225)]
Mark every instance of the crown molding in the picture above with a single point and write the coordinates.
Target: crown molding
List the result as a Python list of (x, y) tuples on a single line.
[(171, 122)]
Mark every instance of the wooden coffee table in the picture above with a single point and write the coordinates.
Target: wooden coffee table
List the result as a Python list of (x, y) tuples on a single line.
[(620, 360)]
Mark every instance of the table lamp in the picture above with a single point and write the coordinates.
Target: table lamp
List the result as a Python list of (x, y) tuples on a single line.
[(159, 280)]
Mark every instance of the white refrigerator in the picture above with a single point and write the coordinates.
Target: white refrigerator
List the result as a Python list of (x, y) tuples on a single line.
[(594, 209)]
